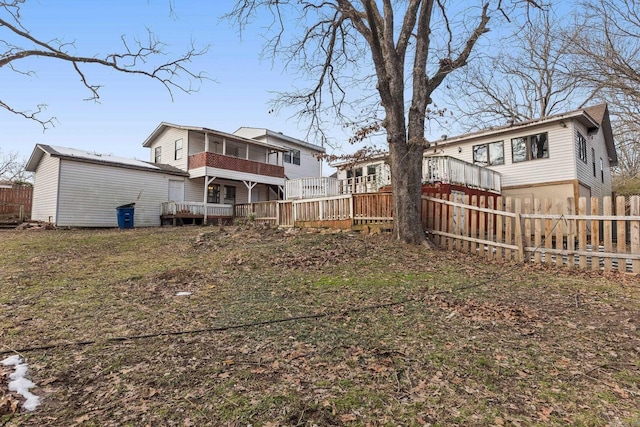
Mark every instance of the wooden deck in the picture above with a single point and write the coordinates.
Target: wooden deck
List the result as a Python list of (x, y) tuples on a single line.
[(192, 213)]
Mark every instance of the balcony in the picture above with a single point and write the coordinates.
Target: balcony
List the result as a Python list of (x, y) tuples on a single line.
[(236, 164), (449, 170)]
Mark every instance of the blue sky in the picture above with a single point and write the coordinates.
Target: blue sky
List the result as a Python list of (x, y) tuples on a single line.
[(132, 106)]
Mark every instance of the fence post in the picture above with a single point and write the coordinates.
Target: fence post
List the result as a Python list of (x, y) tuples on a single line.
[(622, 233), (607, 231), (518, 230), (582, 231), (634, 230), (560, 232), (548, 226), (595, 234)]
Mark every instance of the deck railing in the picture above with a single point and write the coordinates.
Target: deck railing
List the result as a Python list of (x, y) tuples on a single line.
[(361, 184), (449, 170), (310, 188), (196, 209)]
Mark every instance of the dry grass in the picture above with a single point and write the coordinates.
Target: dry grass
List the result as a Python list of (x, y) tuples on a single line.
[(384, 334)]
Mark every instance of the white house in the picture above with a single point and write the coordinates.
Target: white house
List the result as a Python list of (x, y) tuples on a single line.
[(564, 155), (77, 188), (194, 173)]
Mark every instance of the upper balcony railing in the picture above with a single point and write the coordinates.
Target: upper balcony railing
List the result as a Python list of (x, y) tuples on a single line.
[(237, 164), (449, 170)]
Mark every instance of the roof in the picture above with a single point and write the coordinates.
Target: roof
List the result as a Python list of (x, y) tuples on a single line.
[(164, 125), (96, 158), (270, 133)]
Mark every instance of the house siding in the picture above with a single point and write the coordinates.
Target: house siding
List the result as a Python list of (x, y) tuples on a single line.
[(45, 190), (167, 141), (194, 191), (585, 174), (557, 167), (90, 193)]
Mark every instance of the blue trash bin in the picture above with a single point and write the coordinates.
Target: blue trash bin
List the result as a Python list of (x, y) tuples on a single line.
[(125, 215)]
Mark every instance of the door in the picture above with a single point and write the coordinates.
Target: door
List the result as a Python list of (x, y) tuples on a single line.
[(176, 190)]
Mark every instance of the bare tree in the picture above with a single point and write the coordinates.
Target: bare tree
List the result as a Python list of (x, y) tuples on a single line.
[(529, 78), (607, 56), (372, 58), (18, 43), (12, 168)]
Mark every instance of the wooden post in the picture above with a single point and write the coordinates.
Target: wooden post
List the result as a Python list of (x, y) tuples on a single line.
[(537, 230), (560, 229), (436, 219), (499, 230), (607, 232), (482, 225), (527, 209), (571, 236), (582, 231), (634, 233), (451, 210), (595, 234), (491, 234), (621, 234), (508, 228), (548, 235), (517, 226), (474, 225), (465, 226)]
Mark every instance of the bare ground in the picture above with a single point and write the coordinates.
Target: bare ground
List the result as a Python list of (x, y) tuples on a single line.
[(302, 329)]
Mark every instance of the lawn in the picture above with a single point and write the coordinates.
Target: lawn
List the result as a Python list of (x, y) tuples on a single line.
[(301, 329)]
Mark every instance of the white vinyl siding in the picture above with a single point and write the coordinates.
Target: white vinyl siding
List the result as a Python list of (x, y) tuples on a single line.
[(167, 142), (559, 166), (90, 193), (45, 190), (585, 170)]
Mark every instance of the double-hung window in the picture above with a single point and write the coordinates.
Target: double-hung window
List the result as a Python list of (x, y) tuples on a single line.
[(581, 142), (178, 150), (292, 156)]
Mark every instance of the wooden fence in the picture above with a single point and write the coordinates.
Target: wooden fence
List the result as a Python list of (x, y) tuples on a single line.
[(599, 236), (548, 231), (15, 203)]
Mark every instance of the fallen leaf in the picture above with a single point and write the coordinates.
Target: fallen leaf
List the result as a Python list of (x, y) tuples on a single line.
[(544, 414)]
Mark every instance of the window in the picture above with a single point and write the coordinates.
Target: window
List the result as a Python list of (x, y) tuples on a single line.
[(371, 170), (157, 154), (593, 161), (530, 147), (213, 193), (601, 169), (292, 156), (582, 147), (178, 150), (229, 195), (354, 172), (489, 154)]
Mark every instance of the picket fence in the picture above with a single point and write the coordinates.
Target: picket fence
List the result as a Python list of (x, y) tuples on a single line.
[(601, 235), (546, 231)]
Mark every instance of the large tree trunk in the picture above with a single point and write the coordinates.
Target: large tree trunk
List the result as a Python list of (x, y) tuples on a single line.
[(405, 161)]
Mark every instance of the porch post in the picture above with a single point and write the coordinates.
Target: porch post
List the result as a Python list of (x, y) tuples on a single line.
[(207, 181), (206, 142), (249, 185)]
